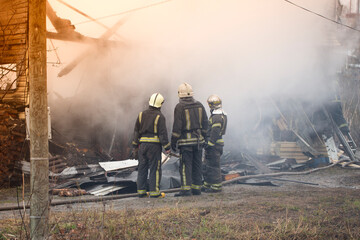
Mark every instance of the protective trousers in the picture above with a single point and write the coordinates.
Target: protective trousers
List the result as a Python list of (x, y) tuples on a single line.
[(190, 167), (149, 158), (212, 173)]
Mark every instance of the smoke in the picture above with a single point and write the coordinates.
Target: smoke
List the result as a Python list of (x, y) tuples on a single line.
[(248, 52)]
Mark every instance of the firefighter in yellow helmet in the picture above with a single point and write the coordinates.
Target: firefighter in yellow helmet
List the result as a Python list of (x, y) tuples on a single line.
[(214, 145), (189, 130), (150, 136)]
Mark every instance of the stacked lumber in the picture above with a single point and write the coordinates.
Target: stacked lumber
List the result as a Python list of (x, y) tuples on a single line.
[(293, 150), (12, 147), (57, 164)]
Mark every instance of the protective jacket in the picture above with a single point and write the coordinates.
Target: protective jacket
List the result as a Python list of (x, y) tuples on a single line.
[(150, 127), (217, 127), (190, 123), (214, 150)]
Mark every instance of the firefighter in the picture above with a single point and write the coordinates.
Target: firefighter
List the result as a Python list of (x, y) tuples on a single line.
[(334, 108), (189, 131), (214, 145), (150, 135)]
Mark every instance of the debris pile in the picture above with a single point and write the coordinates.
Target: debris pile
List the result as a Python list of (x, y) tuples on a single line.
[(13, 147), (105, 178)]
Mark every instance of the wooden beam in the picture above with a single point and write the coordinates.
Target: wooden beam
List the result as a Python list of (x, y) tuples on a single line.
[(60, 24), (39, 145), (77, 37), (68, 68)]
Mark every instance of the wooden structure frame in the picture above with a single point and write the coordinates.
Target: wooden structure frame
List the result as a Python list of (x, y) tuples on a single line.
[(13, 51)]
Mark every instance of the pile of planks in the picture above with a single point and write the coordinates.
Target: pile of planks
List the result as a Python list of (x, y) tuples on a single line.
[(12, 144), (57, 164), (293, 150)]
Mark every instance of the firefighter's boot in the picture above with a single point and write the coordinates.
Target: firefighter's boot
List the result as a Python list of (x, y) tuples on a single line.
[(183, 193)]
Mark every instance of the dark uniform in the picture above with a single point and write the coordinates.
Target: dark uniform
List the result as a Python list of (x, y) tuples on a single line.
[(189, 130), (334, 108), (214, 149), (150, 132)]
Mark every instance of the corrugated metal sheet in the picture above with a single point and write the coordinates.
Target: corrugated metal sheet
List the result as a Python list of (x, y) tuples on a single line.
[(102, 190), (118, 165)]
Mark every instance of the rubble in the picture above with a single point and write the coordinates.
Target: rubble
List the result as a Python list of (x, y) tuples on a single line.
[(80, 165), (68, 192), (13, 146), (105, 177)]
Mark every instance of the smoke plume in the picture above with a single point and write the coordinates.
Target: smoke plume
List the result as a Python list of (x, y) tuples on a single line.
[(248, 52)]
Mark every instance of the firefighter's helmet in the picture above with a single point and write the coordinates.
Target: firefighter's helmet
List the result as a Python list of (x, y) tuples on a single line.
[(185, 90), (214, 101), (156, 100)]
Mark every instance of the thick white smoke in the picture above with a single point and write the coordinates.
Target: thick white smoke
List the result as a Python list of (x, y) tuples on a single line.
[(247, 52)]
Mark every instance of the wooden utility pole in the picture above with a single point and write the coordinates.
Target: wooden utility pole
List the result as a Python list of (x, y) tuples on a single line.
[(39, 146)]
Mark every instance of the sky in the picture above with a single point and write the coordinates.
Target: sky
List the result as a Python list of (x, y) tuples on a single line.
[(248, 52)]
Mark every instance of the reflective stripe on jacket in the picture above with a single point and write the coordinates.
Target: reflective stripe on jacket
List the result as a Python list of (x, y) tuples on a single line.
[(150, 127), (217, 127), (190, 123)]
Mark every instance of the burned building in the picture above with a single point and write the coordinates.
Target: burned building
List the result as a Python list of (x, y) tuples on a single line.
[(13, 85), (77, 141)]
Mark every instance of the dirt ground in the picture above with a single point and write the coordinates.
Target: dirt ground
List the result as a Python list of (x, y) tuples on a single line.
[(329, 194), (327, 181)]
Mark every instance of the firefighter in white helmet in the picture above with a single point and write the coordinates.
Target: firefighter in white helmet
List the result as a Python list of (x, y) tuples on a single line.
[(214, 145), (189, 130), (150, 136)]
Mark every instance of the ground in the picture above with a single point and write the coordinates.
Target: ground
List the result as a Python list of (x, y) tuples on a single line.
[(326, 205)]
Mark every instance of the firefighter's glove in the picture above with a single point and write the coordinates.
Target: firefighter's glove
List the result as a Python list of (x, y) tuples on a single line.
[(135, 153), (173, 147), (207, 146)]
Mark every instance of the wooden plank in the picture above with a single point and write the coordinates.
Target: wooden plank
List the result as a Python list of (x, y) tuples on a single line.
[(16, 47), (5, 59), (14, 23), (13, 56), (6, 41), (7, 37), (297, 151), (6, 21), (290, 149), (13, 4), (9, 13), (11, 41), (19, 90), (291, 155), (12, 36), (286, 155), (22, 84), (18, 30), (18, 17), (14, 98), (11, 59), (13, 53), (15, 92)]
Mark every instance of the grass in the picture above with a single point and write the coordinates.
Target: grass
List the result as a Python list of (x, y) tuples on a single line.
[(321, 215)]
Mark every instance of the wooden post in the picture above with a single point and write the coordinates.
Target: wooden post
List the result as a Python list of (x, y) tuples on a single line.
[(39, 146)]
